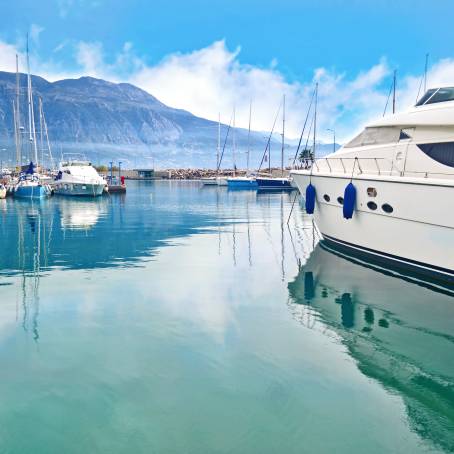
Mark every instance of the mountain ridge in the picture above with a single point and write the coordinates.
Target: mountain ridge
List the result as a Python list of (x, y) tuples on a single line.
[(109, 121)]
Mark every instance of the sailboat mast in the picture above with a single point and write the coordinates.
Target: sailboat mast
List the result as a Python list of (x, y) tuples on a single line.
[(283, 133), (41, 129), (234, 143), (17, 117), (315, 119), (46, 132), (219, 143), (31, 114), (249, 138)]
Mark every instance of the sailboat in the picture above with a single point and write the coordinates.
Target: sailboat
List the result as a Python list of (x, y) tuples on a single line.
[(247, 181), (30, 184), (277, 183)]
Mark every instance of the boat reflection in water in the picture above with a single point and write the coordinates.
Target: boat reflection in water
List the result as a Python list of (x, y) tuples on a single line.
[(80, 214), (392, 327)]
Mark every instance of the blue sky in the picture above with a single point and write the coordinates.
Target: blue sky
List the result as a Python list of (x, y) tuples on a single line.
[(290, 38)]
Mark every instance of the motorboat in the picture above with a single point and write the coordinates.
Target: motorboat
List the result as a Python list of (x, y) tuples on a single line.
[(389, 192), (78, 178)]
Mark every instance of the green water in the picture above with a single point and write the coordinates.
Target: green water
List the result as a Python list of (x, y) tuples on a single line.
[(181, 319)]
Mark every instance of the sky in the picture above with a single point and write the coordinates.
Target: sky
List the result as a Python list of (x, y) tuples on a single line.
[(209, 56)]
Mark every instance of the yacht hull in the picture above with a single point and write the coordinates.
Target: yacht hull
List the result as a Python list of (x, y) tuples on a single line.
[(418, 235), (79, 190)]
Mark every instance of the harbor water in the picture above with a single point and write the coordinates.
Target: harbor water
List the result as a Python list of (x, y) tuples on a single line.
[(178, 318)]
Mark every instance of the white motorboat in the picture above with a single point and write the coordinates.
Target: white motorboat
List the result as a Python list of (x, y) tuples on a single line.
[(388, 194), (78, 178), (2, 191)]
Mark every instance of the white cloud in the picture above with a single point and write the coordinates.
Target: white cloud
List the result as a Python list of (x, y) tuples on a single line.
[(35, 31), (213, 79)]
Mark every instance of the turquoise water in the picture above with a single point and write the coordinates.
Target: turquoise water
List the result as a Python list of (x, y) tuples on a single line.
[(181, 319)]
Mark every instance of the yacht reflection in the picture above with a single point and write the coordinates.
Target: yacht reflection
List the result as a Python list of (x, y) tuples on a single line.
[(100, 233), (81, 214), (398, 332)]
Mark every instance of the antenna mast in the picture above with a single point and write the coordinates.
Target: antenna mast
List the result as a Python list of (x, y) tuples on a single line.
[(425, 72)]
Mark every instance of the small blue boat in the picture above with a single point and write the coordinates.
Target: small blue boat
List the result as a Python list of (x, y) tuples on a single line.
[(275, 184), (242, 183), (30, 186), (31, 191)]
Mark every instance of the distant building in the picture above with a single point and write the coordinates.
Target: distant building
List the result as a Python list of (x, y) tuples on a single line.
[(139, 174)]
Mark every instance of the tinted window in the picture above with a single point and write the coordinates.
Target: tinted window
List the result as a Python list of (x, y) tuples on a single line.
[(327, 197), (443, 94), (426, 96), (403, 135), (375, 136), (441, 152), (372, 205), (340, 200)]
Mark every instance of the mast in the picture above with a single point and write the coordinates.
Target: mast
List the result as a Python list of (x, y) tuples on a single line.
[(219, 143), (283, 133), (249, 138), (17, 117), (41, 129), (394, 91), (31, 113), (234, 143), (315, 119), (46, 133)]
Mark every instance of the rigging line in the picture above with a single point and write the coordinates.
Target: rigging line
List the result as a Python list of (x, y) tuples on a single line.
[(304, 128), (387, 100), (269, 137), (225, 142)]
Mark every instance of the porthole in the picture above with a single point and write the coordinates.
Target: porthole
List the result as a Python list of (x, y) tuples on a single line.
[(340, 200), (372, 206), (387, 208), (327, 198), (371, 192)]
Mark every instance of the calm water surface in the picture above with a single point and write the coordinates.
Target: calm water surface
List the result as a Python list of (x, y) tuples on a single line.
[(181, 319)]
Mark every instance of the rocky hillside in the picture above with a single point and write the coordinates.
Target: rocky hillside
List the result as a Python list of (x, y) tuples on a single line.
[(108, 121)]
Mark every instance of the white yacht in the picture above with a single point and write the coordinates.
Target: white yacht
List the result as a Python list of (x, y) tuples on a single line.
[(78, 178), (399, 208)]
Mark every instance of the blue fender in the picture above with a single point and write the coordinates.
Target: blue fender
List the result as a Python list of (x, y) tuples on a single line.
[(310, 199), (349, 201)]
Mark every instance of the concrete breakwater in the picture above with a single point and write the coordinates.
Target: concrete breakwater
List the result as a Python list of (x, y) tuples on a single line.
[(190, 174)]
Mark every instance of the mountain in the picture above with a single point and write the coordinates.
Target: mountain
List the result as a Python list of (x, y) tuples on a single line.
[(108, 121)]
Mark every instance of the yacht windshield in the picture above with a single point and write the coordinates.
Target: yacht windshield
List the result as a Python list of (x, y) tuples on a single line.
[(435, 95)]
